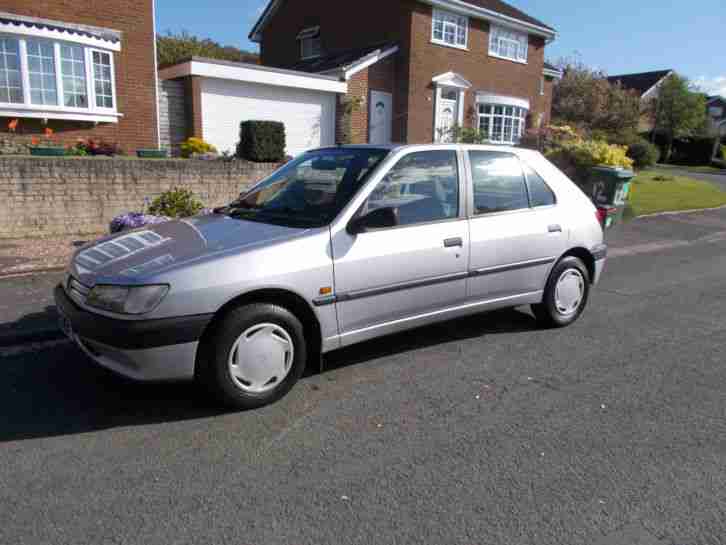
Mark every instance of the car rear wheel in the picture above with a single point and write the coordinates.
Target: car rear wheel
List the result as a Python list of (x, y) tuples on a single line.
[(566, 294), (254, 356)]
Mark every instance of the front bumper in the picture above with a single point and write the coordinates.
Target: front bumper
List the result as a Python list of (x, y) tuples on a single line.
[(144, 350)]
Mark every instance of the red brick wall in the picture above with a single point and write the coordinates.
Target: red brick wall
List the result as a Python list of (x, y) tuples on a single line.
[(485, 73), (408, 23), (340, 28), (378, 77), (134, 64), (193, 103)]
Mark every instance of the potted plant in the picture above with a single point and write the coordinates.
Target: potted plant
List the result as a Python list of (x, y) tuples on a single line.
[(152, 153), (46, 147)]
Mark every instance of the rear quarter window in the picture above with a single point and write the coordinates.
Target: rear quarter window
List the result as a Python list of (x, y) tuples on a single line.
[(540, 193)]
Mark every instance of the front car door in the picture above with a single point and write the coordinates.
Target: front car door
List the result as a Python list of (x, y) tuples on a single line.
[(387, 279), (516, 229)]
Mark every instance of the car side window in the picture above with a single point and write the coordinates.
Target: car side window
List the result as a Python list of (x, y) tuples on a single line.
[(540, 193), (423, 187), (499, 184)]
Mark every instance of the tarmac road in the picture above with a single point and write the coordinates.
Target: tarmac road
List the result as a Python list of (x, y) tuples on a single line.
[(485, 430)]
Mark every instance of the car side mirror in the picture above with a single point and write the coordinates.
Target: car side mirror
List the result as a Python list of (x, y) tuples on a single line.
[(380, 218)]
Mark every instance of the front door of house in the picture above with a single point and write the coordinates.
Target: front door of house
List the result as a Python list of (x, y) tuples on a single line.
[(447, 109), (380, 118)]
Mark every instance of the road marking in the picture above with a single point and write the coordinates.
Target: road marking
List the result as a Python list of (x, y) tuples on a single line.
[(676, 212)]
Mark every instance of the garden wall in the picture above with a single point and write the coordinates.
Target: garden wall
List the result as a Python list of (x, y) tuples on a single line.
[(67, 196)]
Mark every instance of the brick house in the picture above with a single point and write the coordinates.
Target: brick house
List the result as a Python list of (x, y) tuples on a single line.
[(86, 69), (647, 86), (417, 68)]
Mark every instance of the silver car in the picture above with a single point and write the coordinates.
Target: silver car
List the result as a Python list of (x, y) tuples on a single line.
[(339, 246)]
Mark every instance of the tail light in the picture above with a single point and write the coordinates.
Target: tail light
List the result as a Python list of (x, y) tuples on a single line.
[(602, 215)]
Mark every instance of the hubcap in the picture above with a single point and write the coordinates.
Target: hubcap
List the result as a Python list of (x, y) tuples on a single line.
[(569, 292), (261, 358)]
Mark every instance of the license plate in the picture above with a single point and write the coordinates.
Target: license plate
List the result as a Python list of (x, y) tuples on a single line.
[(65, 325)]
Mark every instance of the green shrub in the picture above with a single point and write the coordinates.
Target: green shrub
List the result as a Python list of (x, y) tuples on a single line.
[(693, 151), (723, 152), (177, 203), (466, 135), (261, 141), (193, 146), (644, 154), (575, 157)]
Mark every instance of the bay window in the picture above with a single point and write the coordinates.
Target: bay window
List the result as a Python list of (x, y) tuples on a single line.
[(449, 29), (508, 44), (11, 89), (102, 79), (41, 71), (502, 124), (47, 78)]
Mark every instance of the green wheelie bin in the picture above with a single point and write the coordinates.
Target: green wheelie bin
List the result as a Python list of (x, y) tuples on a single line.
[(609, 188)]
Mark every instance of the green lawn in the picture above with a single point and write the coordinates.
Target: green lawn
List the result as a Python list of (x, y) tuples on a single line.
[(659, 191)]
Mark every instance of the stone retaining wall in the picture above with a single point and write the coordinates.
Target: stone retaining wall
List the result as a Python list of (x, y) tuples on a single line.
[(66, 196)]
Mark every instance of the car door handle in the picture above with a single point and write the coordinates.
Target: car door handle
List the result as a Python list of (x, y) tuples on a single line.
[(554, 228), (453, 242)]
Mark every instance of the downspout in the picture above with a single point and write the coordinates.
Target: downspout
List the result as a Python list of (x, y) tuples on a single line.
[(156, 79)]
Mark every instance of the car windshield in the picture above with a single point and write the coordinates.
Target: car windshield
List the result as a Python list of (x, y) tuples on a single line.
[(310, 190)]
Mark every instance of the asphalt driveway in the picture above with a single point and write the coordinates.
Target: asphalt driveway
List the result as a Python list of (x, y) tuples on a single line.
[(483, 430)]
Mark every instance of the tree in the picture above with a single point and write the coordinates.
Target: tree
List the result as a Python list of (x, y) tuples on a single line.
[(679, 111), (174, 48), (585, 99)]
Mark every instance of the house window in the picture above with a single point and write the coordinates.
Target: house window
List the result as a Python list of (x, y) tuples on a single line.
[(508, 44), (449, 29), (310, 43), (73, 70), (502, 124), (41, 72), (11, 87), (102, 80), (40, 77), (542, 86)]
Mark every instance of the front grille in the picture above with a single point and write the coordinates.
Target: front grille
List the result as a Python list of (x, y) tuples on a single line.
[(77, 291)]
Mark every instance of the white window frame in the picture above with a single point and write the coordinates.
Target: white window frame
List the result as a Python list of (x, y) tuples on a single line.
[(26, 109), (522, 118), (521, 40), (310, 34), (114, 99), (443, 15), (542, 86)]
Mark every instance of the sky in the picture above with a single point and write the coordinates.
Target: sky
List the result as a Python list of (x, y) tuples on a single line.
[(616, 36)]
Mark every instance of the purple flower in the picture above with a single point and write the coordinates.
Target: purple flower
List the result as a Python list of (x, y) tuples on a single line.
[(134, 220)]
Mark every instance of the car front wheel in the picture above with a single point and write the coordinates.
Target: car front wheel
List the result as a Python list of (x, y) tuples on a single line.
[(254, 356), (566, 294)]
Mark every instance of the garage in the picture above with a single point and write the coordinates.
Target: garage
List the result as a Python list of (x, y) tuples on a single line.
[(219, 95)]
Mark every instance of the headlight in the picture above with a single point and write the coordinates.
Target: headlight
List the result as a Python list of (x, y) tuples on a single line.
[(127, 299)]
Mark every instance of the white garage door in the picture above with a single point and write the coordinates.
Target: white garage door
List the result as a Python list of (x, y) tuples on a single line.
[(309, 116)]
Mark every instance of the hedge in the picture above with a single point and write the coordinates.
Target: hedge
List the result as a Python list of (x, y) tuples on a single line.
[(261, 141)]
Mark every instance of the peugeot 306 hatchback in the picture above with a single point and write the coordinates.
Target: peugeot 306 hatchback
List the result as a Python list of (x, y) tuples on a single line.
[(338, 246)]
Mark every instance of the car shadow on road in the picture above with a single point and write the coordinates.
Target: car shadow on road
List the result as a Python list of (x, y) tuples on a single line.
[(41, 325), (470, 327), (56, 390)]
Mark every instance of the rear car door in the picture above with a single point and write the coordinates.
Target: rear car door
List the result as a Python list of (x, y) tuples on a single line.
[(419, 266), (516, 231)]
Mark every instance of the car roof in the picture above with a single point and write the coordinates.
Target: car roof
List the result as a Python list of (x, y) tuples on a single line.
[(397, 147)]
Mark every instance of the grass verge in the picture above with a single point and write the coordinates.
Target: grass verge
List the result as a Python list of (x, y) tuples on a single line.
[(654, 191)]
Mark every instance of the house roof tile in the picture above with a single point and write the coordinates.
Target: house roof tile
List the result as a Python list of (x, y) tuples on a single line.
[(505, 9), (340, 59), (640, 82)]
